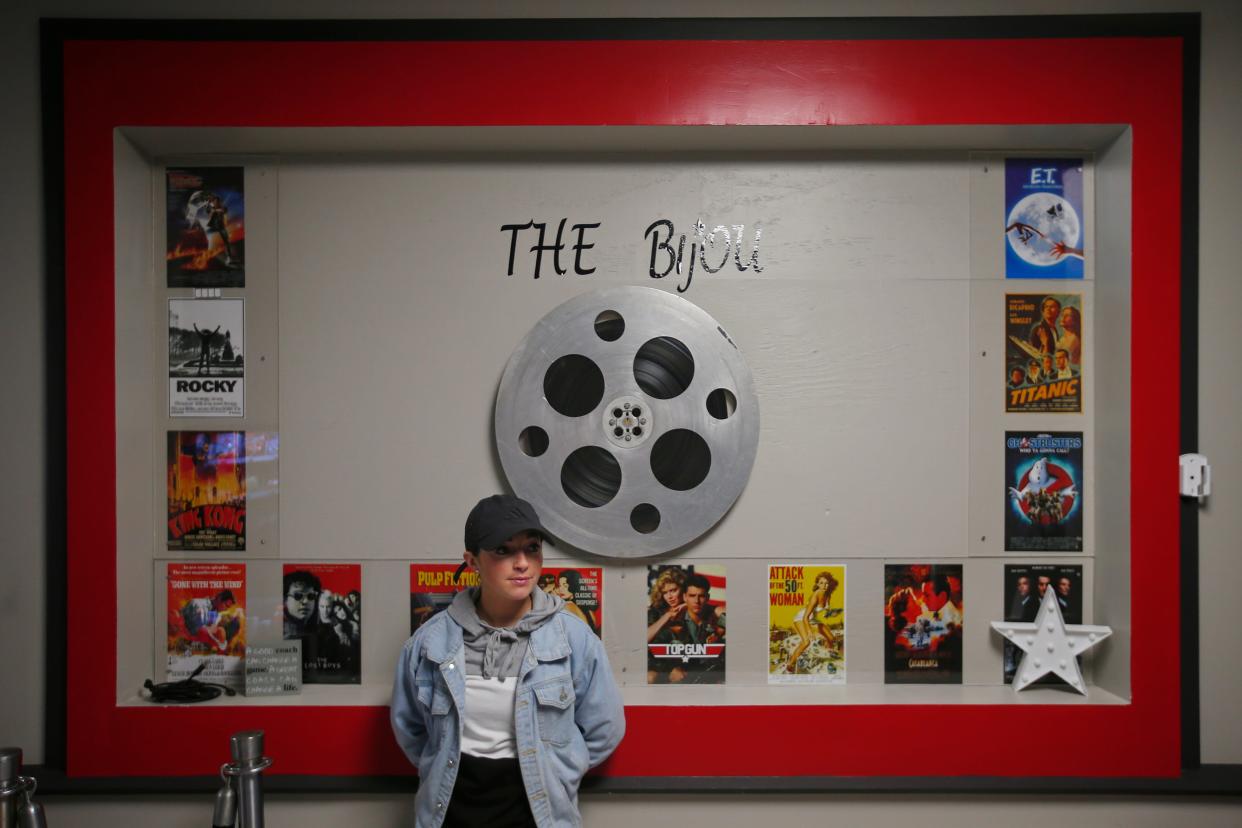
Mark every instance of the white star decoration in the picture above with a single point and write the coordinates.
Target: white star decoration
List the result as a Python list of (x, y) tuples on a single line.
[(1050, 645)]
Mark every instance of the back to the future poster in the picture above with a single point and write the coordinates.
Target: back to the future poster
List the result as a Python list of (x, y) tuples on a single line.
[(205, 227), (1043, 491)]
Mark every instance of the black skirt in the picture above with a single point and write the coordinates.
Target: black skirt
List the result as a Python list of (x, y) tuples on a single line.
[(489, 792)]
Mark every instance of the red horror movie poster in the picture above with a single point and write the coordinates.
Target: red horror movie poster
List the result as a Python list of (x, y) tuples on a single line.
[(207, 621), (207, 491)]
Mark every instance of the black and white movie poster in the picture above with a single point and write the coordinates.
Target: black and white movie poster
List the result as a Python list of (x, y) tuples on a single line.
[(206, 358)]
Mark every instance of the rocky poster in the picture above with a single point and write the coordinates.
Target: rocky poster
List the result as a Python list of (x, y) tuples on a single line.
[(206, 357)]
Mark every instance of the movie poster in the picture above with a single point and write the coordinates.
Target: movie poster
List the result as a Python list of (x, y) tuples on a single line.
[(207, 491), (1043, 352), (206, 227), (686, 624), (923, 623), (432, 589), (806, 624), (582, 590), (323, 608), (1043, 491), (1044, 230), (206, 364), (207, 622), (1025, 585)]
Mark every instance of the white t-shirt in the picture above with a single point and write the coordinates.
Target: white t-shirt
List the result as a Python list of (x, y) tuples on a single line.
[(488, 731)]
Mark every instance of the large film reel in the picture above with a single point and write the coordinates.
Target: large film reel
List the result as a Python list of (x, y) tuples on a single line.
[(628, 417)]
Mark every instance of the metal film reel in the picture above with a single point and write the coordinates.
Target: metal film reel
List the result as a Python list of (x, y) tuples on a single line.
[(628, 417)]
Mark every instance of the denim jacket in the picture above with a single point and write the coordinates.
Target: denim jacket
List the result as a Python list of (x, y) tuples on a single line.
[(568, 715)]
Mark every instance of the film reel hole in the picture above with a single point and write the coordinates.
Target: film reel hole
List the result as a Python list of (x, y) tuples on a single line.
[(573, 385), (663, 367), (645, 518), (721, 403), (681, 459), (533, 441), (591, 477), (609, 326)]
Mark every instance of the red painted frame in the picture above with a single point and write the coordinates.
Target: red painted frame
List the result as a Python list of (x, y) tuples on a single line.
[(1135, 81)]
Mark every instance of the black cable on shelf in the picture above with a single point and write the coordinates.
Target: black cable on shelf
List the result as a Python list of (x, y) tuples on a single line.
[(186, 691)]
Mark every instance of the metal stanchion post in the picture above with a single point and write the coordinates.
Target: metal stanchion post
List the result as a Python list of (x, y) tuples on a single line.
[(15, 814), (247, 766), (10, 785)]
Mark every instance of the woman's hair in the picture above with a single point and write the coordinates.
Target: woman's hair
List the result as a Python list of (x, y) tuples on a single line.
[(308, 578), (672, 575), (573, 578), (1071, 314), (833, 583)]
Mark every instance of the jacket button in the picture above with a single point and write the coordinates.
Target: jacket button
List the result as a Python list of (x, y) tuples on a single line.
[(439, 806), (450, 666), (451, 762)]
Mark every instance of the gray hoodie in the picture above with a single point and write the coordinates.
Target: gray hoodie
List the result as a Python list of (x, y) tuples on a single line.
[(498, 651)]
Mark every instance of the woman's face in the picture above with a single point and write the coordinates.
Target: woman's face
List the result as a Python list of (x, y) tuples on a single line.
[(562, 588), (672, 594), (1067, 319), (821, 582)]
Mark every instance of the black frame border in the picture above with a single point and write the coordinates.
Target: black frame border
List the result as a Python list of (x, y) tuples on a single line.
[(1196, 778)]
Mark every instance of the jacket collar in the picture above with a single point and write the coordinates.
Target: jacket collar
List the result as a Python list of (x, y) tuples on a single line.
[(547, 643)]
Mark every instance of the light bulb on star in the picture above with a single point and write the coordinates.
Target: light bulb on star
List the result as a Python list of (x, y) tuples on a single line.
[(1049, 645)]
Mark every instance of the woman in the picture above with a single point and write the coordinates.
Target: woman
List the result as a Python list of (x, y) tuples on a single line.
[(1071, 332), (815, 611), (504, 700), (666, 607)]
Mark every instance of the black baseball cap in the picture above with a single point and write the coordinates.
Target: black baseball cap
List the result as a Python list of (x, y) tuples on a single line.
[(497, 518), (494, 520)]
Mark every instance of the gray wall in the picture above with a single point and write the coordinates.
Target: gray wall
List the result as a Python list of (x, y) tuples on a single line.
[(22, 502)]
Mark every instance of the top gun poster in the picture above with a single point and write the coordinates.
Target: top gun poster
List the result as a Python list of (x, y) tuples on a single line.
[(1044, 229), (686, 624), (205, 223)]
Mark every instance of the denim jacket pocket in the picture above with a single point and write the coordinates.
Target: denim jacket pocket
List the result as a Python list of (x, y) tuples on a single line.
[(555, 709)]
